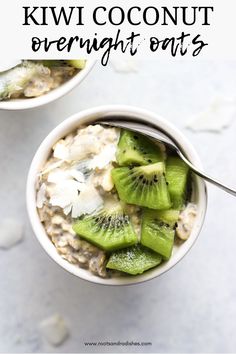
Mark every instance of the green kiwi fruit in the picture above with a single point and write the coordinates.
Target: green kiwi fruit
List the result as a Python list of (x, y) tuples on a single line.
[(136, 149), (158, 230), (109, 228), (77, 63), (133, 260), (177, 178), (143, 185)]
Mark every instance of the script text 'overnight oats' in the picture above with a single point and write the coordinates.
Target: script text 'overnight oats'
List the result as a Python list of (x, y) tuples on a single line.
[(113, 201)]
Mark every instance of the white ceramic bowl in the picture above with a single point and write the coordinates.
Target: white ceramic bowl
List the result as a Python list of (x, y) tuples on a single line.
[(87, 117), (27, 103)]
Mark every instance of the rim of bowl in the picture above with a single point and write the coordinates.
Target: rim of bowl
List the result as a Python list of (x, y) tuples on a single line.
[(87, 117), (60, 91)]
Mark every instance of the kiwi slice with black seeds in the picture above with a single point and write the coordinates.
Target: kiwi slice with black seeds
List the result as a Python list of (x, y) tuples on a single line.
[(109, 229), (143, 185), (133, 260), (177, 177), (136, 149), (158, 230)]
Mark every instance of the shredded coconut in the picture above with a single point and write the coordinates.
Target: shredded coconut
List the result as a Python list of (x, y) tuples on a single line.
[(107, 155), (65, 193), (41, 196), (87, 202), (60, 150), (51, 166)]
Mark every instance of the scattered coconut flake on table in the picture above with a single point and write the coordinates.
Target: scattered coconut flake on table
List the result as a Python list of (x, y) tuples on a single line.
[(11, 232), (54, 330), (124, 66), (217, 117)]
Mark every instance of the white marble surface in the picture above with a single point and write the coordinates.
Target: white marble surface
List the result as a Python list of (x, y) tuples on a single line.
[(192, 308)]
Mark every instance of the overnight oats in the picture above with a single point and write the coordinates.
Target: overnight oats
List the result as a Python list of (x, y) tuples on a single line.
[(113, 201), (34, 78)]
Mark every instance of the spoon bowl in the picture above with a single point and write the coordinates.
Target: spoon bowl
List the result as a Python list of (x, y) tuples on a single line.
[(150, 131)]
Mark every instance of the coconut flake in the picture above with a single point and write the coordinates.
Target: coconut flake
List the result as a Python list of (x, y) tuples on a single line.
[(83, 146), (107, 182), (124, 66), (59, 175), (51, 167), (41, 196), (54, 330), (107, 155), (67, 209), (78, 175), (70, 188), (65, 192), (88, 142), (83, 167), (11, 232), (103, 179), (216, 117), (60, 150), (67, 185), (87, 202)]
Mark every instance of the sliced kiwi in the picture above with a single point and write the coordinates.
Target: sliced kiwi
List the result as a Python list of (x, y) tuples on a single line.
[(134, 260), (158, 230), (136, 149), (77, 63), (109, 229), (177, 177), (143, 185), (51, 63)]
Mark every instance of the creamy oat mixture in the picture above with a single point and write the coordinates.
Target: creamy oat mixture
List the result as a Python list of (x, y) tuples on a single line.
[(34, 78), (186, 221), (76, 180)]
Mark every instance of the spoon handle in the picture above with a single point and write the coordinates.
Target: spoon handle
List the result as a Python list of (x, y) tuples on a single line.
[(205, 176), (152, 132)]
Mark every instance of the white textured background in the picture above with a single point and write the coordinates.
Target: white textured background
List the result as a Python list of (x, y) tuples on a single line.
[(192, 308)]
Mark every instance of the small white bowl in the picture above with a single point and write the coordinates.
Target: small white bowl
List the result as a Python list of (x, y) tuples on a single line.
[(88, 117), (60, 91)]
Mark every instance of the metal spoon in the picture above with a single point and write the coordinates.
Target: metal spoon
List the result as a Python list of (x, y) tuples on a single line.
[(169, 141)]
